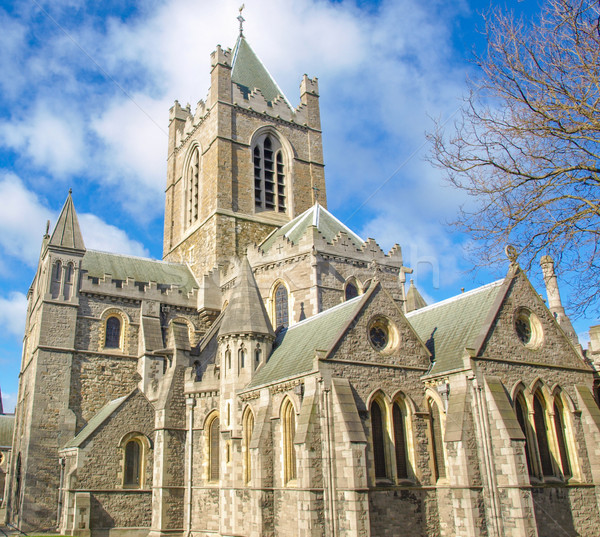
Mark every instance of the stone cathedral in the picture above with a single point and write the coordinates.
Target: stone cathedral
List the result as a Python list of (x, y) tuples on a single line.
[(275, 374)]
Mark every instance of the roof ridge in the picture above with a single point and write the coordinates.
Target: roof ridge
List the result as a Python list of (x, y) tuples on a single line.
[(455, 298), (322, 313), (130, 256)]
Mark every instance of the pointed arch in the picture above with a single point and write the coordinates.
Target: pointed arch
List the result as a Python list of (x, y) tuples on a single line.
[(437, 440), (351, 288), (520, 405), (280, 304), (401, 430), (193, 171), (56, 279), (288, 421), (248, 430), (541, 433), (213, 441), (68, 285)]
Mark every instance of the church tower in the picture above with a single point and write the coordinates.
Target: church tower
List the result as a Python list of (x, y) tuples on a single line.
[(242, 164)]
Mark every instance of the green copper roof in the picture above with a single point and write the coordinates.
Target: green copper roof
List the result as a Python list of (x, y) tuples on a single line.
[(317, 216), (121, 267), (95, 422), (295, 348), (249, 72), (7, 423), (449, 327)]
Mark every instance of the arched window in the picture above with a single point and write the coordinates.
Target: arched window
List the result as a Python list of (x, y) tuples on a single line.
[(541, 433), (133, 462), (257, 356), (68, 287), (242, 357), (288, 417), (227, 359), (378, 432), (269, 175), (248, 430), (214, 445), (112, 339), (351, 290), (400, 441), (521, 411), (281, 307), (56, 279), (437, 443), (561, 436), (193, 186)]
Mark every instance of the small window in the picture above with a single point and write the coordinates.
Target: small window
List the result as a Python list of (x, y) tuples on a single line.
[(242, 358), (289, 430), (112, 339), (68, 287), (281, 307), (248, 430), (351, 291), (257, 356), (400, 441), (56, 279), (214, 445), (133, 459), (378, 432), (437, 443)]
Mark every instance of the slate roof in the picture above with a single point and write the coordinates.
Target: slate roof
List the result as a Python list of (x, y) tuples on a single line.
[(7, 423), (297, 346), (121, 267), (449, 327), (95, 422), (317, 216), (248, 72), (67, 233)]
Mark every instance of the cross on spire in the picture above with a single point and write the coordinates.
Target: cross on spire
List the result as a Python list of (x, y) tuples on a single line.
[(316, 191), (241, 19)]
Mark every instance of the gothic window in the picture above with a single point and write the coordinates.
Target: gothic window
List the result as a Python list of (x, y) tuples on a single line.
[(288, 417), (378, 432), (521, 411), (351, 290), (112, 338), (214, 434), (242, 357), (257, 356), (193, 186), (400, 441), (68, 287), (56, 279), (281, 307), (269, 175), (561, 436), (227, 360), (248, 430), (541, 433), (437, 443), (133, 464)]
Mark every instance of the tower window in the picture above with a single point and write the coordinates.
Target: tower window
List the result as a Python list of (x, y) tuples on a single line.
[(113, 333), (281, 307), (68, 281), (351, 291), (248, 430), (56, 279), (269, 175), (193, 187)]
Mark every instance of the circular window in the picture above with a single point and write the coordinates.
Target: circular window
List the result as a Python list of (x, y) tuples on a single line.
[(528, 328), (383, 335)]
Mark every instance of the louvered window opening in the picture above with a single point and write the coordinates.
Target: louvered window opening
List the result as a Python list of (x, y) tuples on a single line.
[(269, 177), (193, 188)]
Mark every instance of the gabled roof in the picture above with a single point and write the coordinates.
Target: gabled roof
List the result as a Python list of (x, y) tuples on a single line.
[(451, 326), (414, 300), (296, 347), (246, 312), (121, 267), (102, 415), (317, 216), (67, 233), (248, 72)]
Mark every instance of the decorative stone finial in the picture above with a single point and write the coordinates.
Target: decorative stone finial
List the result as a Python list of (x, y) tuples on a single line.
[(511, 253), (241, 19), (70, 191)]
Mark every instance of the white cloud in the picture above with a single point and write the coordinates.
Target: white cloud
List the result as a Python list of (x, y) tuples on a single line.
[(9, 402), (12, 313), (98, 235)]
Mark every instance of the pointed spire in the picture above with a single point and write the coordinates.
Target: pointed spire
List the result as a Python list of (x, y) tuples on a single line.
[(246, 312), (67, 234), (414, 300)]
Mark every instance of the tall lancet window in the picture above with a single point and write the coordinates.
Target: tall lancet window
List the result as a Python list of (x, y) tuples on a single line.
[(193, 186), (269, 175)]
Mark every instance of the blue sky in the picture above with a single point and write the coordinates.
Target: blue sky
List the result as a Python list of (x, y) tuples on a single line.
[(84, 97)]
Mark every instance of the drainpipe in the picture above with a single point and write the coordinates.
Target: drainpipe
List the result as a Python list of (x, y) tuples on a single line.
[(191, 403)]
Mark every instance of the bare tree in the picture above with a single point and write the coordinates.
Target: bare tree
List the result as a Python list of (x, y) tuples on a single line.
[(527, 145)]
